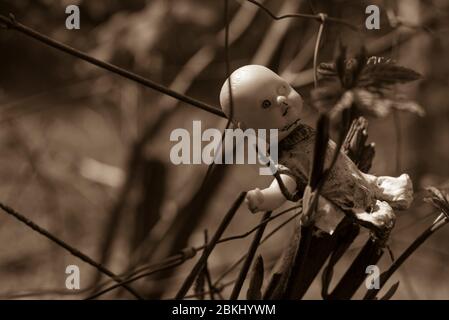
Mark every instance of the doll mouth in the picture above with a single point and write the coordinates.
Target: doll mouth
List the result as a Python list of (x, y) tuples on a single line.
[(289, 126), (287, 107)]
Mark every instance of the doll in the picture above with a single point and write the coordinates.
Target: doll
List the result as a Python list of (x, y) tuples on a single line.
[(263, 100)]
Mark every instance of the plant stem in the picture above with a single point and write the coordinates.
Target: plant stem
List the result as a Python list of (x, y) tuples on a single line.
[(67, 247), (13, 24), (249, 257), (304, 15), (317, 49), (354, 276), (371, 294), (208, 250)]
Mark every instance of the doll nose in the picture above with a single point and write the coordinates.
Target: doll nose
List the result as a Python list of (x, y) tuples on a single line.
[(282, 103), (281, 100)]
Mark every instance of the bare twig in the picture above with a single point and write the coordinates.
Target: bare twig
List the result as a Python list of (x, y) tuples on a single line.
[(268, 236), (249, 258), (317, 48), (127, 281), (376, 46), (194, 66), (315, 17), (371, 294), (274, 35), (257, 227), (67, 247), (302, 58), (207, 272), (208, 250), (217, 290), (13, 24), (189, 252), (356, 273)]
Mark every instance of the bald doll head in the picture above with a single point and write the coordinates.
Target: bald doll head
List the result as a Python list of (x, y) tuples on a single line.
[(261, 100)]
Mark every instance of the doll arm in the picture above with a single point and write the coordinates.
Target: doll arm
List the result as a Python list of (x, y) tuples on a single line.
[(269, 198)]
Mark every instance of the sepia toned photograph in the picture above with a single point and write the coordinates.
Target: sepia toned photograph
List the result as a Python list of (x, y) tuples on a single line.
[(261, 150)]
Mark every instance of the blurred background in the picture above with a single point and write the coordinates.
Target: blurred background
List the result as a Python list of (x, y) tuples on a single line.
[(85, 153)]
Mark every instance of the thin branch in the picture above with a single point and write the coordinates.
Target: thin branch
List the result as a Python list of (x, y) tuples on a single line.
[(231, 100), (190, 252), (207, 272), (249, 258), (184, 255), (240, 22), (302, 58), (274, 35), (257, 227), (208, 250), (123, 283), (66, 246), (11, 23), (181, 83), (316, 17), (317, 49), (371, 294), (216, 290), (376, 46), (269, 235)]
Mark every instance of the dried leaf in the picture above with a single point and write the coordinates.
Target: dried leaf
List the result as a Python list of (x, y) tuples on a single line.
[(439, 199), (409, 106), (366, 158), (255, 285), (378, 60), (275, 281), (363, 81), (372, 104), (390, 293), (369, 79), (375, 104), (355, 145), (324, 98), (327, 69), (375, 71), (386, 74), (345, 102), (326, 278)]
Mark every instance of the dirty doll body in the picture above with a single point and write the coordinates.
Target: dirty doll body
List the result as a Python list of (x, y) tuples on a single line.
[(263, 100)]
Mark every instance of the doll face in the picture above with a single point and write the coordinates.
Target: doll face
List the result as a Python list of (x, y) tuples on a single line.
[(262, 100)]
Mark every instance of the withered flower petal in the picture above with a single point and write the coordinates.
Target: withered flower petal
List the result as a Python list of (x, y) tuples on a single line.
[(439, 199)]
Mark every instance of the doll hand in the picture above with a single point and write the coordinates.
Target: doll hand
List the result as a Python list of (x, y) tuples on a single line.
[(254, 200), (398, 192)]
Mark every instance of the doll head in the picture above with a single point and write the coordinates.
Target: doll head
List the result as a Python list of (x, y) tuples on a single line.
[(261, 100)]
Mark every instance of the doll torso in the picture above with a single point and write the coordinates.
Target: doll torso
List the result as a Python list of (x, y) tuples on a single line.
[(346, 186)]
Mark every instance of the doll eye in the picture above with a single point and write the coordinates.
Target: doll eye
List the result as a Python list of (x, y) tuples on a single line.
[(266, 104)]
